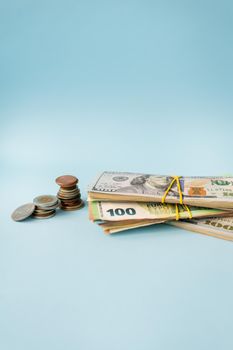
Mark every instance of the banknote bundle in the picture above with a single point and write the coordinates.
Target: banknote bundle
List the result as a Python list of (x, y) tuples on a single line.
[(120, 201)]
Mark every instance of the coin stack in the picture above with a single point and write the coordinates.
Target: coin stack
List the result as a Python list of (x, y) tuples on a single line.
[(45, 206), (69, 193)]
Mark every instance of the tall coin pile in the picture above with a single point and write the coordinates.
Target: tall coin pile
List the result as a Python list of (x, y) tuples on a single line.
[(45, 206), (69, 193)]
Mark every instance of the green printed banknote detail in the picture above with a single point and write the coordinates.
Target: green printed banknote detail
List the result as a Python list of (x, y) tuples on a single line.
[(120, 211)]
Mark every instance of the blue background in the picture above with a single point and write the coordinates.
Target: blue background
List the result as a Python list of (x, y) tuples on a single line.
[(87, 86)]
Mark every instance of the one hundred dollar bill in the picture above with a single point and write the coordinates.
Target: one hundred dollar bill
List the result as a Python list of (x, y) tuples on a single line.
[(210, 192)]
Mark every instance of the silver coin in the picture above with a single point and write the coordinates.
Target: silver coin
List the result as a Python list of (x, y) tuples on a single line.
[(23, 212), (45, 201)]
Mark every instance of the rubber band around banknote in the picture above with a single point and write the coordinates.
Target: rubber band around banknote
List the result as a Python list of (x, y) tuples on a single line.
[(178, 212), (177, 180), (188, 210)]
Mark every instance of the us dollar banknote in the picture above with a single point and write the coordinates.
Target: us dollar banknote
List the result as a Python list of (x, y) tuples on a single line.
[(131, 211), (211, 192), (216, 227)]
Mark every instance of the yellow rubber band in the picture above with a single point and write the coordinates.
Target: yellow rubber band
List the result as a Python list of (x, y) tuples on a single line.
[(188, 210), (177, 180), (177, 213)]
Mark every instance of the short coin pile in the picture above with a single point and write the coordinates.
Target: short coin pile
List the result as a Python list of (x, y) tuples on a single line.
[(45, 206), (69, 193)]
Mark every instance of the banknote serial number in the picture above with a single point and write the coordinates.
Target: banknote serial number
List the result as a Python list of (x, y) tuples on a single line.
[(121, 211)]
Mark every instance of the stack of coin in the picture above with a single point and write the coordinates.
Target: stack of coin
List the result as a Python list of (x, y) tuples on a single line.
[(69, 193), (46, 206)]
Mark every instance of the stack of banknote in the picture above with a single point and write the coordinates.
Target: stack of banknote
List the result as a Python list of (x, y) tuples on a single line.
[(121, 201)]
